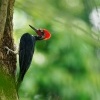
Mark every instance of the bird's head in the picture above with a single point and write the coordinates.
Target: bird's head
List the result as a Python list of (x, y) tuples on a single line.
[(43, 34)]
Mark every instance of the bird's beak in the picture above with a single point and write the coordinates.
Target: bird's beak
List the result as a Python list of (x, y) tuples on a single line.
[(33, 28)]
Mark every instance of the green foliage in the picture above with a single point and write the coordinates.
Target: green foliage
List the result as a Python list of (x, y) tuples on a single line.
[(66, 67)]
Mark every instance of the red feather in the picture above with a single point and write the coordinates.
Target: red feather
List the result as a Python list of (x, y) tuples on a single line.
[(47, 34)]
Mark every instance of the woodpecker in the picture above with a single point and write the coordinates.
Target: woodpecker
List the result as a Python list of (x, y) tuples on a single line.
[(26, 50)]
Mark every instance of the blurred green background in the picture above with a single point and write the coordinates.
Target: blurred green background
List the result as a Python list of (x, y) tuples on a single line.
[(66, 67)]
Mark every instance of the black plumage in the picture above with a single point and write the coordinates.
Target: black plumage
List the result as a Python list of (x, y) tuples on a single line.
[(26, 51)]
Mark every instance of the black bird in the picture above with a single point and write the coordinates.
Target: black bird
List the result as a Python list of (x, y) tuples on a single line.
[(26, 50)]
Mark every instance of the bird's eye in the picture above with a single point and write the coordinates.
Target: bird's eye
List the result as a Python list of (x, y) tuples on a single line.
[(42, 33)]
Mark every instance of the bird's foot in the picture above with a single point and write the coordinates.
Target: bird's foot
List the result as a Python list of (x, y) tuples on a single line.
[(10, 50)]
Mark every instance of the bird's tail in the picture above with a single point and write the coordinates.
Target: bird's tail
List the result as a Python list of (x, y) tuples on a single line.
[(19, 80)]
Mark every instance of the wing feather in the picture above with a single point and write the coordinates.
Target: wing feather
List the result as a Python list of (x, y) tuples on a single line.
[(26, 51)]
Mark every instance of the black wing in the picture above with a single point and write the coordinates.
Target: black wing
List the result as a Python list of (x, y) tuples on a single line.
[(26, 51)]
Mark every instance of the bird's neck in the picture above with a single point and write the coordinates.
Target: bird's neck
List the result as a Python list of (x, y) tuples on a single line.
[(38, 38)]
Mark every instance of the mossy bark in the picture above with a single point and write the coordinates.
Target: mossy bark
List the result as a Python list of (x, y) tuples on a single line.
[(7, 61)]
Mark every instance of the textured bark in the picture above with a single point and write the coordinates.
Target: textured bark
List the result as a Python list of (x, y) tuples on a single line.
[(7, 62)]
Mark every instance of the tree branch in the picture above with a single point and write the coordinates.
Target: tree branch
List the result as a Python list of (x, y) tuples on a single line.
[(3, 16)]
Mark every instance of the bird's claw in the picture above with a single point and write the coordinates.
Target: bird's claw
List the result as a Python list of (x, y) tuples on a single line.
[(8, 50)]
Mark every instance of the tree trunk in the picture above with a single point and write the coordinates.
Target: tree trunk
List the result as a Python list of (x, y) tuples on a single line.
[(7, 61)]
